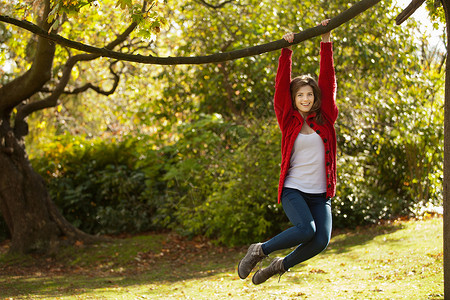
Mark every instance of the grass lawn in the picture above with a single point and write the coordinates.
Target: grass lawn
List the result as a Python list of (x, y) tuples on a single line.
[(398, 260)]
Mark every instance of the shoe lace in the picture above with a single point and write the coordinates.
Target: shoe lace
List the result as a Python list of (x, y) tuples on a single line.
[(281, 274)]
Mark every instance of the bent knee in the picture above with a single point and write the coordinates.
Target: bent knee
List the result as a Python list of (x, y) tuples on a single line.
[(321, 242), (307, 232)]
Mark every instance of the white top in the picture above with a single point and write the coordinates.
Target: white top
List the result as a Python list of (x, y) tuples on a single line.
[(307, 168)]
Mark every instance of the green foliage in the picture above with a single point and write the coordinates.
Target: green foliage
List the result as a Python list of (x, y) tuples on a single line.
[(70, 7), (102, 187), (436, 13), (244, 207), (390, 124), (236, 89), (211, 163), (149, 17), (223, 182), (390, 131), (219, 179)]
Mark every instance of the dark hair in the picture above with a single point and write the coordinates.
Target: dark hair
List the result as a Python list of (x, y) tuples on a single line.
[(302, 80)]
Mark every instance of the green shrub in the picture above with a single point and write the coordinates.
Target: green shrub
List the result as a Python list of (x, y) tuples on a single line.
[(244, 209), (219, 179), (102, 186), (231, 186), (390, 158), (358, 201)]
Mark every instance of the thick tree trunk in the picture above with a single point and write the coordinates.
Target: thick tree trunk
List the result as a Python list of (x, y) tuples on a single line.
[(446, 4), (34, 221), (22, 198), (446, 184)]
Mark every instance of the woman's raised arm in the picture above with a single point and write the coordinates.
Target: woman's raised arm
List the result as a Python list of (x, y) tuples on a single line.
[(327, 77)]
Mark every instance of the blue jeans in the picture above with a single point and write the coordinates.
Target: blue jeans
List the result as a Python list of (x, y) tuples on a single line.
[(311, 216)]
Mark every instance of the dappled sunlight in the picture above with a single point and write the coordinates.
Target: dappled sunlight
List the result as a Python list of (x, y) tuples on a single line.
[(392, 262), (177, 166)]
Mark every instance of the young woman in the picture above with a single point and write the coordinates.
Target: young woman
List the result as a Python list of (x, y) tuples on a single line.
[(306, 112)]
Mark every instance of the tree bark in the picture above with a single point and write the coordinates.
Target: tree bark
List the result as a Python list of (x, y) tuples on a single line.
[(340, 19), (446, 4), (406, 13), (33, 220), (26, 85)]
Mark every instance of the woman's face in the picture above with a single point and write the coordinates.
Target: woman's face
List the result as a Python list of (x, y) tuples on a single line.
[(304, 99)]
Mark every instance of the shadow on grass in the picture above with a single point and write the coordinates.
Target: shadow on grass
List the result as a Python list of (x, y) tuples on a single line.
[(345, 240), (118, 265), (139, 261), (32, 287)]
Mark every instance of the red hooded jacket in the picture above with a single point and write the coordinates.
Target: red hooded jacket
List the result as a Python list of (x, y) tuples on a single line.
[(291, 122)]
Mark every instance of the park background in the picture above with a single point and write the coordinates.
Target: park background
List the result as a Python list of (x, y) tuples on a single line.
[(195, 149)]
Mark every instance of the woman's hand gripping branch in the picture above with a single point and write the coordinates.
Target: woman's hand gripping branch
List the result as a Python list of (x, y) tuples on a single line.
[(289, 37)]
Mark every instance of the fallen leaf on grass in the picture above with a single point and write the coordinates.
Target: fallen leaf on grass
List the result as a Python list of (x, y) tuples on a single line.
[(297, 294)]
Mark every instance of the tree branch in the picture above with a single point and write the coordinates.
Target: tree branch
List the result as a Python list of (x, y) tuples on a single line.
[(97, 89), (20, 126), (22, 87), (335, 22), (220, 5), (52, 100), (408, 11)]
